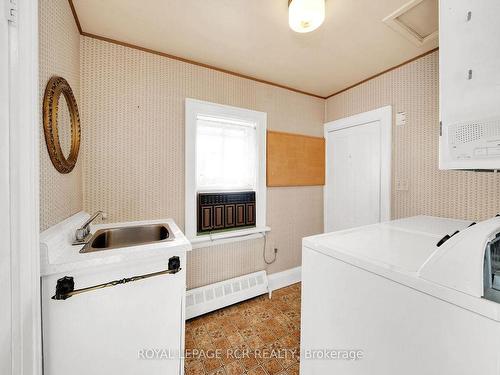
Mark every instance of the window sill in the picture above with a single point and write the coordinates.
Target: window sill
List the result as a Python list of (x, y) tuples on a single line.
[(228, 237)]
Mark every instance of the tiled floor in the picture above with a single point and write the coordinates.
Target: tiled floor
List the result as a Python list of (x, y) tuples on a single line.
[(256, 337)]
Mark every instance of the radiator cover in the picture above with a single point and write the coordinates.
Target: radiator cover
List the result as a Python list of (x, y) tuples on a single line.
[(221, 211), (212, 297)]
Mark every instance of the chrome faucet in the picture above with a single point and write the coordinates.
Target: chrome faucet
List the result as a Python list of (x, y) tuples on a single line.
[(82, 234)]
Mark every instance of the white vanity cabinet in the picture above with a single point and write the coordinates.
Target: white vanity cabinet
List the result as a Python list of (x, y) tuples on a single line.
[(133, 327), (469, 68)]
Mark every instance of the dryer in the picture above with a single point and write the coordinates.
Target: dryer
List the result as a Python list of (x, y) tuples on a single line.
[(411, 296)]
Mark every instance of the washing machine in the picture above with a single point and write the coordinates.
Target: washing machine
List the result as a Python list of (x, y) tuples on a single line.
[(416, 296)]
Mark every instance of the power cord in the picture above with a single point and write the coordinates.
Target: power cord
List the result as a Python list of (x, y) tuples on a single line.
[(264, 251)]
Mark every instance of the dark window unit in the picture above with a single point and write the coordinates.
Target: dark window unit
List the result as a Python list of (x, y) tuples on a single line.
[(224, 211)]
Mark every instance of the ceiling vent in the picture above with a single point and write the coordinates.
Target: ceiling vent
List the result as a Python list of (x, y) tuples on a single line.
[(417, 21)]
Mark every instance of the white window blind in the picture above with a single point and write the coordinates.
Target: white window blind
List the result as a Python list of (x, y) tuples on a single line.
[(226, 154)]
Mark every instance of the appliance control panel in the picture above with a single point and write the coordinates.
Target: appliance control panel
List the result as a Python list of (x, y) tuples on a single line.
[(471, 145)]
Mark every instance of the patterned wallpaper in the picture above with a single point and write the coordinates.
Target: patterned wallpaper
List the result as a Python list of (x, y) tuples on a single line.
[(414, 89), (132, 108), (132, 155), (61, 195)]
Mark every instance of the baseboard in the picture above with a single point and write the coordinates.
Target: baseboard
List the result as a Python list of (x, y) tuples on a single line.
[(211, 297), (285, 278)]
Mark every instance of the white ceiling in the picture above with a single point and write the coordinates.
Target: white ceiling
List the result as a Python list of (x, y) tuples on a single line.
[(252, 37)]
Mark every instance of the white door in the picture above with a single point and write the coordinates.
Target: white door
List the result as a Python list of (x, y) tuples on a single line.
[(357, 190), (20, 346)]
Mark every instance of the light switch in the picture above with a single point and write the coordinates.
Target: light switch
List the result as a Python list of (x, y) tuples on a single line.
[(400, 118), (402, 184)]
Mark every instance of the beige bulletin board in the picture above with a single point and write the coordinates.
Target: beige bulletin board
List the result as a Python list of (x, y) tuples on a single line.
[(295, 160)]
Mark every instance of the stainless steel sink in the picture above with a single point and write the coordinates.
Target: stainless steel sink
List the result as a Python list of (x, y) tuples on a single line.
[(113, 238)]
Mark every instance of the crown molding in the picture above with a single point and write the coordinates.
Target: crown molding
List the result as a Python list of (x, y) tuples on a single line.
[(75, 16), (382, 73), (192, 62), (244, 76)]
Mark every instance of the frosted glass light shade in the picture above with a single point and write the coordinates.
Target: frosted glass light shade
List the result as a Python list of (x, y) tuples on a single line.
[(306, 15)]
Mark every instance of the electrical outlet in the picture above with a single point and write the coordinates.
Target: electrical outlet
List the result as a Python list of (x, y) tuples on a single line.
[(402, 184)]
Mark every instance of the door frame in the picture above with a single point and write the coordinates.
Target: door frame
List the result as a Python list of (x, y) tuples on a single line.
[(384, 116), (5, 253), (20, 183)]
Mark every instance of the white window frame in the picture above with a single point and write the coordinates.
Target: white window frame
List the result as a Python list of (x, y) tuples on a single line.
[(198, 107)]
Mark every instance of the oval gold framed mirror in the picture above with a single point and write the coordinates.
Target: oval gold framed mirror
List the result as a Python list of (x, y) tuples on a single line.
[(61, 119)]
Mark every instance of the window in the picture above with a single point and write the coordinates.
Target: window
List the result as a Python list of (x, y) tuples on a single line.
[(225, 152)]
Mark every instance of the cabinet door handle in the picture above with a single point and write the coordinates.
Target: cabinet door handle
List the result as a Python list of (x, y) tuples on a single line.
[(65, 287)]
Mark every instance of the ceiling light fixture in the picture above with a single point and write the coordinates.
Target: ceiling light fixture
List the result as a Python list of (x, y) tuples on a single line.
[(305, 15)]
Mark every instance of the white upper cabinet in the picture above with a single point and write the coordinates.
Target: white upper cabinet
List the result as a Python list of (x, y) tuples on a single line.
[(469, 45)]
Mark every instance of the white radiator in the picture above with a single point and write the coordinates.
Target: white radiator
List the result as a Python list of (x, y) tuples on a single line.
[(211, 297)]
